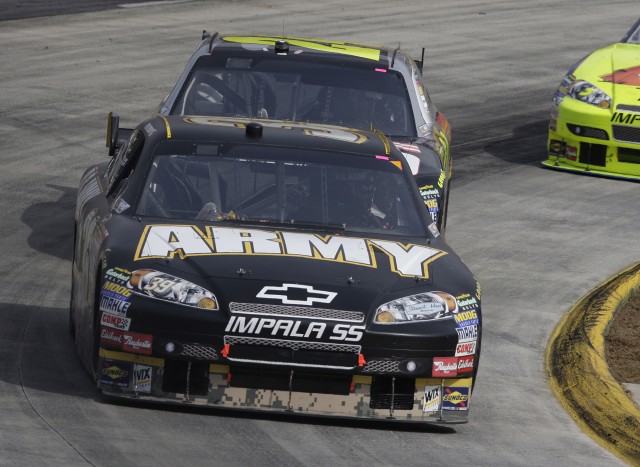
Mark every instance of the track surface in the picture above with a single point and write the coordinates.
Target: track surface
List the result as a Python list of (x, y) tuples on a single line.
[(537, 240)]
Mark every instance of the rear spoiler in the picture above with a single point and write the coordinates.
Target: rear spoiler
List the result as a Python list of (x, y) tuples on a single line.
[(116, 136)]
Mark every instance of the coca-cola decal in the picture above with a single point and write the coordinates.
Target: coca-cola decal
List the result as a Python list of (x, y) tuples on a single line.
[(445, 366), (136, 342)]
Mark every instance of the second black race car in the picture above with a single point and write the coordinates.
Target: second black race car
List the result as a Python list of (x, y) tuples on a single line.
[(270, 265), (320, 81)]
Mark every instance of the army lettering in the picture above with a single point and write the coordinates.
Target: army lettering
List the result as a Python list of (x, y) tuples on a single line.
[(162, 241)]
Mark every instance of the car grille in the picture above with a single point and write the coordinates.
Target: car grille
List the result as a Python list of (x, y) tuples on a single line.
[(201, 352), (292, 353), (587, 131), (293, 345), (626, 134), (297, 312), (382, 366), (628, 108)]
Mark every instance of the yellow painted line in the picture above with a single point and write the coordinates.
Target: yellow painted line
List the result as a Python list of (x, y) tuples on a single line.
[(579, 375), (385, 141), (127, 357), (166, 123)]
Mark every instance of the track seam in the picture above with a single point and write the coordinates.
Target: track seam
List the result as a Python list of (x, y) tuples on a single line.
[(578, 373), (22, 341)]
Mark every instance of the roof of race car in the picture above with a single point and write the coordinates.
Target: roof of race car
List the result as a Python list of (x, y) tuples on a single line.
[(270, 132)]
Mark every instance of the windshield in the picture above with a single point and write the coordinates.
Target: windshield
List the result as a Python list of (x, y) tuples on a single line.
[(634, 36), (295, 187), (283, 89)]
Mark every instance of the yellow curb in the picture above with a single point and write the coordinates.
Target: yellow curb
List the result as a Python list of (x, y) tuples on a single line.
[(578, 371)]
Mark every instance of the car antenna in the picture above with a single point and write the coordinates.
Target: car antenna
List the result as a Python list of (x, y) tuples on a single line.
[(395, 51)]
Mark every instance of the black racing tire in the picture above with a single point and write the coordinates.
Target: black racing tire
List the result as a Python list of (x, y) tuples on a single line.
[(476, 362), (72, 317), (95, 339)]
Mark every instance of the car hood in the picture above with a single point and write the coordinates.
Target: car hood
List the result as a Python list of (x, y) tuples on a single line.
[(615, 70), (282, 266)]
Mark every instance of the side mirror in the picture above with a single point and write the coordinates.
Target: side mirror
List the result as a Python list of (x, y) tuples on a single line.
[(116, 136), (113, 124)]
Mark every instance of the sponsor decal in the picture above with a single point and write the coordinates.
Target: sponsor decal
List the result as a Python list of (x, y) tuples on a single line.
[(297, 291), (429, 191), (114, 305), (444, 366), (467, 333), (466, 348), (294, 328), (557, 148), (466, 302), (118, 275), (465, 364), (433, 207), (115, 373), (431, 400), (169, 241), (625, 118), (433, 228), (455, 398), (572, 153), (628, 76), (121, 206), (110, 337), (115, 321), (135, 342), (117, 291), (142, 378), (466, 318)]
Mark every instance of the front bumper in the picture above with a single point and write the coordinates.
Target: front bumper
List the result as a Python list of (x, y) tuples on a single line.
[(584, 138), (287, 390)]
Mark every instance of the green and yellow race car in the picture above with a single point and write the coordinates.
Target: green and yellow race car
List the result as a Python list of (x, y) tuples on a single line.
[(595, 118)]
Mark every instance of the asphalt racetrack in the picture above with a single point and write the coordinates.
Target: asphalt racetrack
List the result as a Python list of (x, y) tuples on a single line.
[(536, 239)]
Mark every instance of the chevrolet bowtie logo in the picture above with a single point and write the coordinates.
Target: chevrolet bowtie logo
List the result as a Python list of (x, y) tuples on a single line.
[(296, 294)]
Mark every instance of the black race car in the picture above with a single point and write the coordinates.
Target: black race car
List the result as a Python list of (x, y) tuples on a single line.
[(328, 82), (270, 265)]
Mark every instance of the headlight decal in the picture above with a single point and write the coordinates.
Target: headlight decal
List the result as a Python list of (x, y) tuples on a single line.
[(586, 92), (426, 306), (166, 287)]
